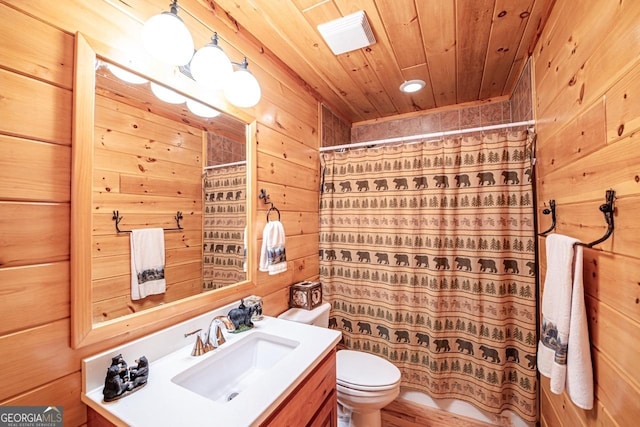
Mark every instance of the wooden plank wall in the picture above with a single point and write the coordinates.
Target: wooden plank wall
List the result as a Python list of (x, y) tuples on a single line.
[(36, 72), (147, 167), (587, 85)]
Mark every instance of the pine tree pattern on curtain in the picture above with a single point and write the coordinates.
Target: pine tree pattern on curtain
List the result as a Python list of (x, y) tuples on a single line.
[(224, 223), (427, 258)]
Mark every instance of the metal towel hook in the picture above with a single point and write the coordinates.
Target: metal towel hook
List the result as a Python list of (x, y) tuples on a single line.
[(550, 210), (607, 210), (265, 199)]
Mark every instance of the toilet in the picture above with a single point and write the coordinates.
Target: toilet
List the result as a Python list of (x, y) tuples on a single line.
[(366, 383)]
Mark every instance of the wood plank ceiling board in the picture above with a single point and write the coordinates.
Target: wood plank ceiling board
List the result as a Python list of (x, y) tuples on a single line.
[(535, 22), (438, 27), (465, 50), (402, 29), (294, 33), (255, 21), (327, 63), (509, 22), (473, 27), (400, 21), (356, 63), (304, 5), (389, 72)]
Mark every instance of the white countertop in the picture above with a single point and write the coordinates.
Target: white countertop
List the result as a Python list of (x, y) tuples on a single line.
[(164, 403)]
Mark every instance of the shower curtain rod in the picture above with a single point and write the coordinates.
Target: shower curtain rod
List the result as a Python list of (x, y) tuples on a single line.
[(428, 135), (241, 162)]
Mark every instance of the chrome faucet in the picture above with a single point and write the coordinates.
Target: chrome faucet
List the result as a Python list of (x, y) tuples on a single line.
[(212, 338)]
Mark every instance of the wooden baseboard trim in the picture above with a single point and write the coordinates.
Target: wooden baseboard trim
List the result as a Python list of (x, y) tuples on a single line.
[(403, 413)]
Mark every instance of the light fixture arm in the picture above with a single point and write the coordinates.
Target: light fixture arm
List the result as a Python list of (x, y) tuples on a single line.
[(173, 7), (244, 64), (214, 39)]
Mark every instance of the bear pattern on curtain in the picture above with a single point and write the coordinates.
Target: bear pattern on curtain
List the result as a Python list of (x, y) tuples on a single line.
[(224, 224), (427, 258)]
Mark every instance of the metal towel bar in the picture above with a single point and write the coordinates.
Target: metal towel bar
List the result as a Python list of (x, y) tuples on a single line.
[(117, 218), (606, 208)]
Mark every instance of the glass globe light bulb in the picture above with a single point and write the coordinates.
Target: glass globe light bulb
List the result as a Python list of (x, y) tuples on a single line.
[(167, 39), (242, 89), (125, 75), (210, 66), (167, 95), (199, 109)]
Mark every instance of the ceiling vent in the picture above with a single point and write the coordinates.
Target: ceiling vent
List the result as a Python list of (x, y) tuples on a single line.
[(348, 33)]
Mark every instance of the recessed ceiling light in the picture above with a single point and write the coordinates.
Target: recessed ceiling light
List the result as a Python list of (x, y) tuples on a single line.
[(411, 86)]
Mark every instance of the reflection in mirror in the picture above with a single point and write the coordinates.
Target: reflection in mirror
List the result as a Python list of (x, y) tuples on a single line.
[(143, 158), (225, 183), (149, 144)]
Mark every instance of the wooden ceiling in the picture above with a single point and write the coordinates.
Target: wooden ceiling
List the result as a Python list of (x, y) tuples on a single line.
[(466, 50)]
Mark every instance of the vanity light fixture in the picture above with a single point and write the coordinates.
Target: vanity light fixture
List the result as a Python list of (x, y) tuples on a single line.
[(166, 37), (167, 95), (242, 89), (411, 86), (210, 66), (199, 109)]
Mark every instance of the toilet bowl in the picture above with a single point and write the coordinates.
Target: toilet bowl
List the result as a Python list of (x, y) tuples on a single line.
[(366, 383)]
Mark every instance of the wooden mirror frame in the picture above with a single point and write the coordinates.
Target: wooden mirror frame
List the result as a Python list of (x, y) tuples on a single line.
[(83, 330)]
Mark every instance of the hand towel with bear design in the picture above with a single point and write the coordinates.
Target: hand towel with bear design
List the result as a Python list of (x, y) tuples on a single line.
[(147, 263), (273, 255), (564, 351)]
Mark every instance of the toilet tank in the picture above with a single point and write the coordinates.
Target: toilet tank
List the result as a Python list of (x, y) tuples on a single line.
[(319, 316)]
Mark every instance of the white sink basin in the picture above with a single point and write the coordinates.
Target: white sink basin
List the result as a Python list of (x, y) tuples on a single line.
[(262, 365), (226, 372)]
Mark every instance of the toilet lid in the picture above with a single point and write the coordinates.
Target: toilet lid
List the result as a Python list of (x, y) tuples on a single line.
[(365, 371)]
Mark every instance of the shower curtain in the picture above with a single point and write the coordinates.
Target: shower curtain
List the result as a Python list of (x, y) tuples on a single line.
[(427, 258), (224, 225)]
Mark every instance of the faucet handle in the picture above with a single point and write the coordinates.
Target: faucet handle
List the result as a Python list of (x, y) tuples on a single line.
[(200, 347), (220, 339), (192, 332)]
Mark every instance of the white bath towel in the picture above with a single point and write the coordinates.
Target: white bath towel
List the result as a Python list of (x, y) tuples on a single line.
[(147, 263), (273, 256), (564, 351)]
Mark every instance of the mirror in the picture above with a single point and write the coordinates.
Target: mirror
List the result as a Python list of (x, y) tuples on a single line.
[(225, 190), (143, 160)]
